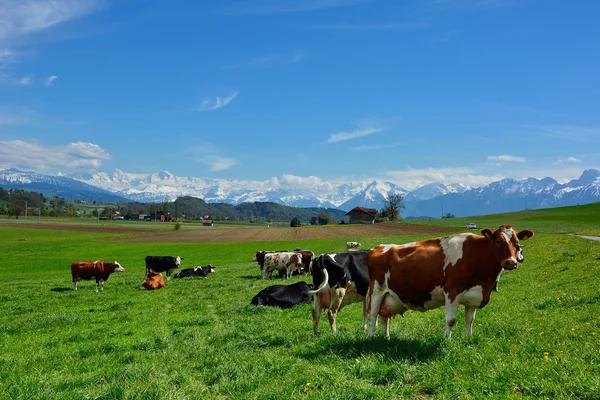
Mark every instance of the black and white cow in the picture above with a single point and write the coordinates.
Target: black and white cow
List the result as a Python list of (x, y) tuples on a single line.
[(352, 245), (341, 279), (162, 264), (196, 271), (284, 296)]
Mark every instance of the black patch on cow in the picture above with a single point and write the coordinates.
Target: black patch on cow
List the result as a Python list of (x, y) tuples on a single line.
[(345, 267), (284, 296), (194, 272)]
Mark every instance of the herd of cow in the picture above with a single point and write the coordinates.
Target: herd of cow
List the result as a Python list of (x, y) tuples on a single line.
[(388, 279)]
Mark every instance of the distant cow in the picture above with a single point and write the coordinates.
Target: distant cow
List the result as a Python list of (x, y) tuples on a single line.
[(459, 269), (154, 281), (196, 271), (341, 279), (259, 257), (284, 296), (162, 264), (352, 245), (307, 258), (99, 270), (287, 261)]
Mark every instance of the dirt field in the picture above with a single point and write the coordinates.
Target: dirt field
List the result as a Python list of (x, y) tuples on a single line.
[(250, 234)]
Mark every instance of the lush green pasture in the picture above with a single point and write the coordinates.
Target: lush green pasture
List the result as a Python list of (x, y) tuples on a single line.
[(538, 337), (583, 219)]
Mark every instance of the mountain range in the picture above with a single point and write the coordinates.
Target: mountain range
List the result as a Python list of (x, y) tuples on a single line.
[(435, 199)]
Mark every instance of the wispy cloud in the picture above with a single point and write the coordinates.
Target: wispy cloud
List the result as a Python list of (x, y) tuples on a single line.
[(270, 60), (506, 158), (372, 27), (411, 179), (563, 132), (26, 80), (217, 163), (286, 6), (570, 160), (375, 147), (217, 102), (39, 156), (358, 133), (50, 80), (23, 17)]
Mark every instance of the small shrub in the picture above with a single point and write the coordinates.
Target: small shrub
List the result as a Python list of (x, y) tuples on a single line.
[(177, 226)]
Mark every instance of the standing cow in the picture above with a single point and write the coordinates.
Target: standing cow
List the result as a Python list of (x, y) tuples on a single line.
[(99, 270), (287, 261), (162, 264), (460, 269)]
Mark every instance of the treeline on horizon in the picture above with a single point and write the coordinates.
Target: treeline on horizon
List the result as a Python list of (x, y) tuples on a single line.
[(14, 201)]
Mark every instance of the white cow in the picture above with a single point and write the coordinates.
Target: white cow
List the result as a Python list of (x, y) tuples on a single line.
[(284, 261)]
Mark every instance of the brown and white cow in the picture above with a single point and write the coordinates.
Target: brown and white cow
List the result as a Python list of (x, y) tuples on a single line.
[(286, 261), (460, 269), (307, 259), (99, 270), (154, 281)]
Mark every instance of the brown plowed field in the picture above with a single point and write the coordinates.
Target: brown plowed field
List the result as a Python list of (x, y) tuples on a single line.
[(281, 234), (243, 234)]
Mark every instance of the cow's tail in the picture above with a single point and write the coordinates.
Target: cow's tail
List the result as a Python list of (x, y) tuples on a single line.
[(325, 281)]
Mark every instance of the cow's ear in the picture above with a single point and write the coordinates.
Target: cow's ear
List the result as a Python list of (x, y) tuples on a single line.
[(525, 234), (488, 233)]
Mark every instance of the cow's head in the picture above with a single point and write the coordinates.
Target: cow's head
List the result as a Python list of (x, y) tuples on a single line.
[(506, 244), (118, 267), (178, 261)]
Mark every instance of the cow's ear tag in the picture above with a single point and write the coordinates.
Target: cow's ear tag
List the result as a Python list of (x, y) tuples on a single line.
[(487, 232)]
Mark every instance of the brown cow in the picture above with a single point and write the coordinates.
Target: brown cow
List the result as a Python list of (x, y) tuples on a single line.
[(460, 269), (154, 281), (99, 270)]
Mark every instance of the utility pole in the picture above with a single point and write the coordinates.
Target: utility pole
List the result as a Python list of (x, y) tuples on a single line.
[(25, 210)]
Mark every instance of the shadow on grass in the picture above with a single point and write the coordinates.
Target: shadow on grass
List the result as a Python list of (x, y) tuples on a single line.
[(393, 349), (61, 289)]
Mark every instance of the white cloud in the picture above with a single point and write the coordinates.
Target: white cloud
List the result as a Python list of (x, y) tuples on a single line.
[(217, 163), (414, 178), (338, 137), (309, 183), (573, 160), (39, 156), (217, 102), (23, 17), (286, 6), (375, 147), (507, 158), (50, 80), (26, 80)]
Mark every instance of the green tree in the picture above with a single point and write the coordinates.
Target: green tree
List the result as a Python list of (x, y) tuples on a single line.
[(324, 218), (295, 222), (4, 210)]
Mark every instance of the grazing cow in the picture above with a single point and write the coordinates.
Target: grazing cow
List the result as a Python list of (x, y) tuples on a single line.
[(450, 271), (352, 245), (307, 259), (99, 270), (341, 279), (287, 261), (284, 296), (154, 281), (196, 271), (162, 264)]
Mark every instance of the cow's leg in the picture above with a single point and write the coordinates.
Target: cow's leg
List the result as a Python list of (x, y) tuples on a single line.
[(385, 329), (364, 319), (451, 311), (97, 285), (316, 314), (375, 298), (169, 274), (101, 285), (334, 307), (75, 284), (469, 318)]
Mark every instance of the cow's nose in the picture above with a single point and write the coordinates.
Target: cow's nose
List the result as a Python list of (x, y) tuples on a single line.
[(510, 263)]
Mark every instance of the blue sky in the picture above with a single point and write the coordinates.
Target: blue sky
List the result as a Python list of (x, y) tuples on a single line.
[(411, 92)]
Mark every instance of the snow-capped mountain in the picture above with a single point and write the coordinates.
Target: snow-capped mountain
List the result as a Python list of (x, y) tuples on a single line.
[(431, 200)]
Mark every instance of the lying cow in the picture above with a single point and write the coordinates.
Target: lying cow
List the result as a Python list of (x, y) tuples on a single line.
[(287, 261), (352, 245), (99, 270), (196, 271), (162, 264), (153, 281), (460, 269), (341, 279), (284, 296)]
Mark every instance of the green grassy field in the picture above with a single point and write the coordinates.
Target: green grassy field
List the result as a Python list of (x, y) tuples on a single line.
[(538, 338)]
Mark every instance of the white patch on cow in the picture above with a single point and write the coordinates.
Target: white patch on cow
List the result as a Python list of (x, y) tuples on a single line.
[(472, 297), (452, 246), (451, 311), (196, 269), (438, 298), (177, 260), (95, 263), (508, 233), (332, 256), (119, 268), (386, 247)]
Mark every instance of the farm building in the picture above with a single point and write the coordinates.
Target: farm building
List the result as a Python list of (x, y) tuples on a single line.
[(207, 221), (362, 215)]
